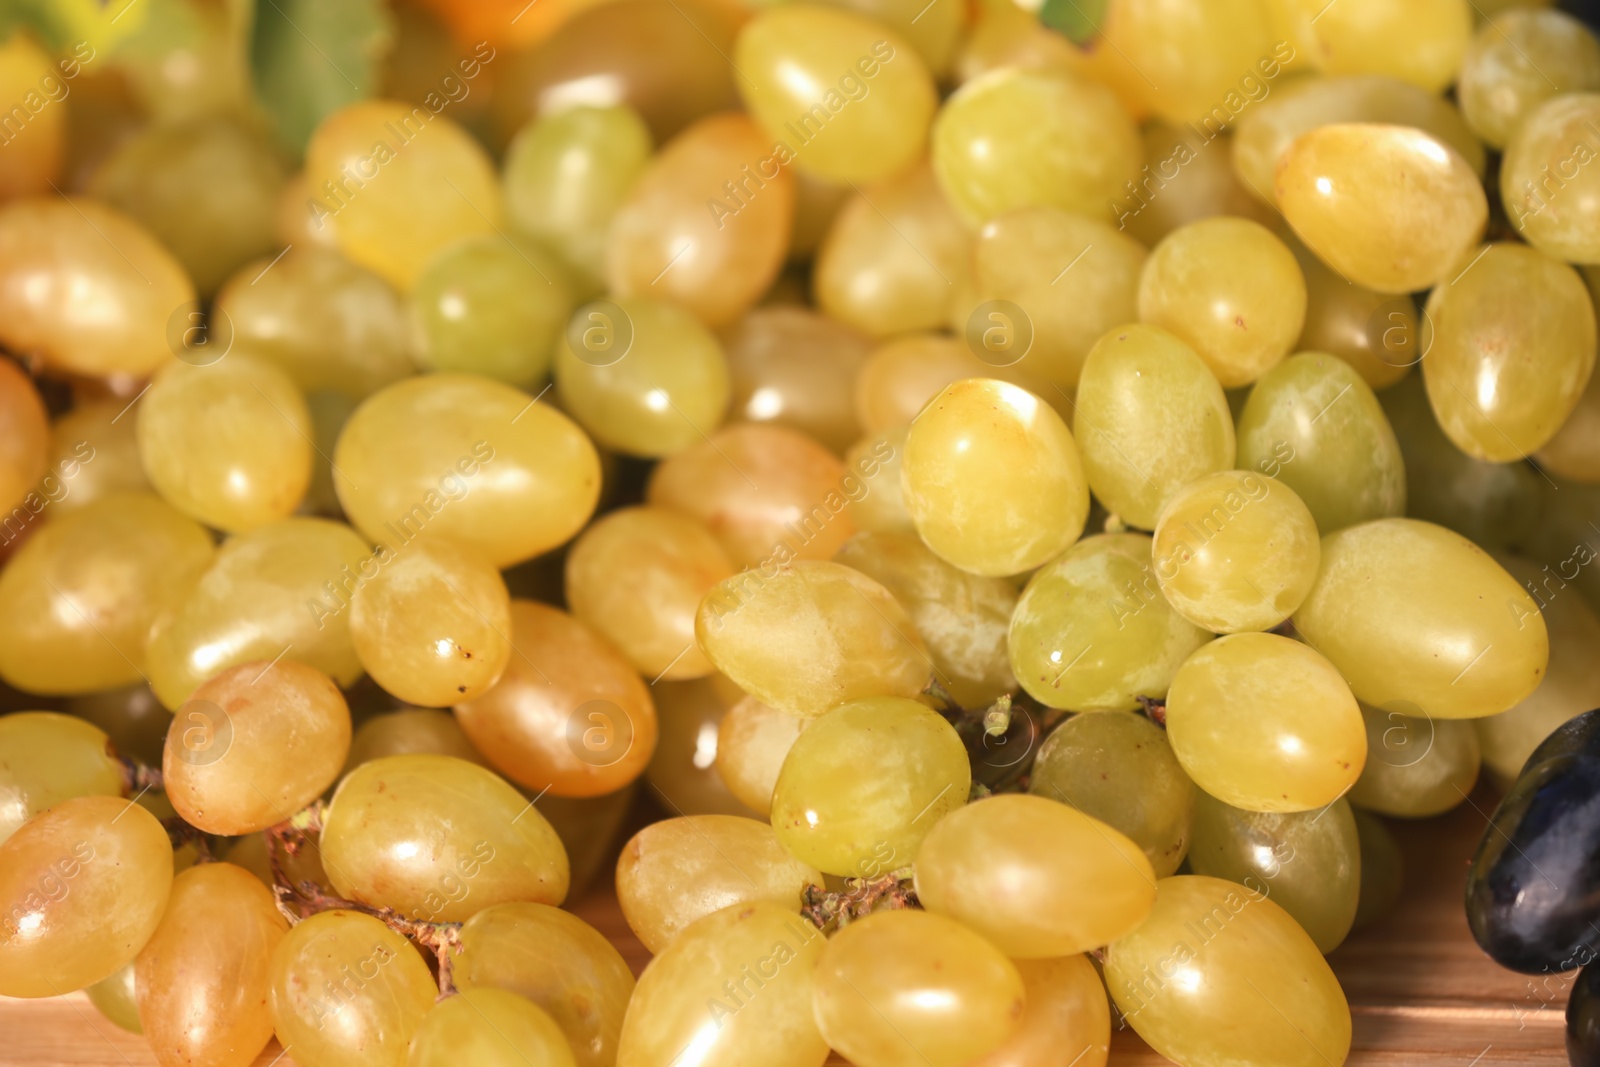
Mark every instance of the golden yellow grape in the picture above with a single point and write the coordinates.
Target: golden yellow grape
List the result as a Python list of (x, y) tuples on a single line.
[(1518, 59), (94, 451), (1545, 182), (1376, 333), (795, 367), (49, 757), (34, 146), (24, 437), (1422, 42), (902, 375), (1066, 1015), (1188, 176), (753, 740), (1194, 60)]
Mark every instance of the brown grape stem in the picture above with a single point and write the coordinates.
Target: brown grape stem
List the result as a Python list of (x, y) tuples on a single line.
[(1155, 709), (181, 833), (831, 912), (139, 778)]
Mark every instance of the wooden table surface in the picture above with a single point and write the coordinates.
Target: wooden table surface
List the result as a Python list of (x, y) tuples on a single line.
[(1420, 990)]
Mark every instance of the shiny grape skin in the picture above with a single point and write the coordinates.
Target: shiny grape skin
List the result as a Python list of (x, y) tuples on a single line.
[(1533, 891), (1583, 1019), (1579, 735)]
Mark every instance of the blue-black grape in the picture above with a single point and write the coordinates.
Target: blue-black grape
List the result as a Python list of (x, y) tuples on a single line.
[(1583, 1019)]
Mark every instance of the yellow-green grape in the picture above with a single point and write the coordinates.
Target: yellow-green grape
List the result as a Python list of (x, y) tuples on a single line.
[(899, 378), (992, 479), (1236, 551), (682, 772), (830, 815), (1036, 877), (1422, 42), (1265, 723), (1382, 870), (1267, 129), (46, 758), (914, 989), (499, 471), (347, 991), (227, 443), (753, 740), (666, 391), (1519, 59), (1510, 344), (893, 257), (285, 586), (1023, 138), (1314, 425), (734, 989), (93, 453), (1574, 452), (407, 732), (1193, 978), (810, 635), (1416, 767), (329, 412), (297, 221), (679, 870), (116, 999), (1231, 290), (1415, 614), (1092, 632), (706, 224), (1150, 418), (843, 97), (34, 163), (398, 184), (1001, 34), (25, 444), (638, 576), (557, 961), (1308, 862), (82, 887), (962, 618), (792, 366), (493, 306), (205, 975), (253, 745), (206, 189), (87, 288), (490, 1027), (327, 322), (1074, 277), (1065, 1015), (1120, 770), (880, 505), (1375, 333), (933, 32), (565, 176), (1388, 207), (77, 601), (1548, 191), (432, 626), (1188, 176)]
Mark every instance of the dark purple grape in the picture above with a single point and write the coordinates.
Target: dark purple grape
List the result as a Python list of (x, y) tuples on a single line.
[(1579, 734), (1583, 1019)]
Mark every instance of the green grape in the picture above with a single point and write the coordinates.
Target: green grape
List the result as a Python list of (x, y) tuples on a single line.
[(35, 163), (491, 1028), (914, 989), (1231, 290), (265, 591), (893, 257), (97, 448), (204, 977), (1024, 138), (712, 255), (1190, 56), (227, 443), (53, 253), (25, 445), (808, 636), (408, 732), (78, 599), (1092, 632), (679, 870), (664, 393), (1236, 551), (1518, 59), (734, 989), (797, 368), (992, 479), (1065, 1017), (1314, 425), (1382, 870), (1414, 614), (347, 991), (1265, 131), (863, 785), (565, 176), (881, 508), (117, 1000), (383, 844), (1188, 176), (963, 618), (131, 717), (1193, 978), (1120, 770), (1388, 207), (1491, 399), (1265, 723), (1547, 190), (253, 745), (682, 772), (1150, 419), (1375, 333), (558, 962), (501, 472), (82, 887), (1416, 767), (899, 378), (1308, 862), (493, 306), (846, 98), (1421, 42), (330, 324), (205, 188), (753, 740), (1037, 878), (46, 758)]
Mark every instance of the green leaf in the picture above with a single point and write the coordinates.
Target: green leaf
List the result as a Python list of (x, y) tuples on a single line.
[(311, 57), (1078, 19)]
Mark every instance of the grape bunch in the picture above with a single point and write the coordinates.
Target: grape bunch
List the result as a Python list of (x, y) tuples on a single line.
[(969, 519)]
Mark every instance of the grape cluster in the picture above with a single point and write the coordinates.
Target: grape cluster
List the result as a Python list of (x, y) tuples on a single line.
[(1027, 489)]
